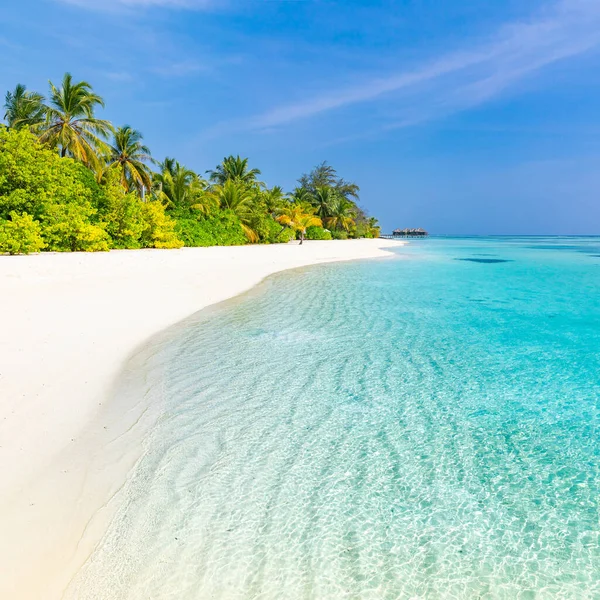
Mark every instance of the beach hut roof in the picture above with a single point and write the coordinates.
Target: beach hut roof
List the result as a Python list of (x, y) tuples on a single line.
[(412, 231)]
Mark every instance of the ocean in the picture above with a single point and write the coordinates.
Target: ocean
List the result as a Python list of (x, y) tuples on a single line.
[(424, 426)]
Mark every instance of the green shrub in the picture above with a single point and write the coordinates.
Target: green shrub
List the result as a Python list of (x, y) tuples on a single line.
[(220, 229), (339, 235), (266, 227), (67, 227), (32, 177), (20, 235), (58, 192), (122, 213), (286, 235), (159, 231), (317, 233), (362, 230), (193, 233)]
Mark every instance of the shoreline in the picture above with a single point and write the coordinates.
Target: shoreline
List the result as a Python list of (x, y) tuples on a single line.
[(75, 321)]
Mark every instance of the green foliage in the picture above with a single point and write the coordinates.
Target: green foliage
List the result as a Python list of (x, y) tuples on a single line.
[(273, 199), (59, 193), (325, 176), (123, 214), (31, 176), (179, 188), (221, 229), (286, 235), (266, 228), (70, 125), (68, 228), (333, 198), (23, 108), (130, 156), (20, 235), (342, 213), (317, 233), (234, 168), (365, 227), (339, 234), (75, 191), (241, 199), (74, 211), (159, 231), (298, 218)]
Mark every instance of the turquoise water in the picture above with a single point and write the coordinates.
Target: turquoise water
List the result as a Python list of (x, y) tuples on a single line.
[(419, 427)]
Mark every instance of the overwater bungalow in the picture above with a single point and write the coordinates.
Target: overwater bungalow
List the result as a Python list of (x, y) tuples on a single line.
[(409, 233)]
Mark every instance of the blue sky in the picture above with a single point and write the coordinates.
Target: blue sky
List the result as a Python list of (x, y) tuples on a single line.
[(480, 116)]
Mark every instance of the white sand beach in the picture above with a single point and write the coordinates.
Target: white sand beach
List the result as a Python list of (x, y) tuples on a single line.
[(69, 323)]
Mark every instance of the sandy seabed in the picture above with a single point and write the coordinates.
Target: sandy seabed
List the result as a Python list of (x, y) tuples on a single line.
[(69, 324)]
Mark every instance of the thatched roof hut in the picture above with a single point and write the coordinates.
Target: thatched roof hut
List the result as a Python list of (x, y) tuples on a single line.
[(409, 232)]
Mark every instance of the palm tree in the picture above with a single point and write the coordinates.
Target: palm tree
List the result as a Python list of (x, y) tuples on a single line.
[(239, 199), (298, 219), (70, 123), (342, 213), (273, 199), (301, 195), (323, 199), (235, 168), (131, 155), (178, 187), (23, 108), (373, 227)]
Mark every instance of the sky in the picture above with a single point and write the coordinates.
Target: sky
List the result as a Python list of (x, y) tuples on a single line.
[(461, 117)]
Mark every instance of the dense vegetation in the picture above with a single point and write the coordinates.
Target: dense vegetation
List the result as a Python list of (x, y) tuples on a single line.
[(70, 181)]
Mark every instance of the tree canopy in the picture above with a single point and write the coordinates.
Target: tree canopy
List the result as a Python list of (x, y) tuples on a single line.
[(70, 181), (23, 108), (128, 152)]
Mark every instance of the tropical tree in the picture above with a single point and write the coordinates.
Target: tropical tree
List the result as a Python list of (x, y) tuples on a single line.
[(299, 219), (301, 195), (239, 199), (180, 188), (325, 176), (128, 152), (273, 199), (70, 124), (373, 228), (323, 199), (236, 169), (342, 213), (23, 108)]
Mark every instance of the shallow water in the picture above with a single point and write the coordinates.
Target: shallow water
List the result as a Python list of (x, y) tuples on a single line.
[(421, 427)]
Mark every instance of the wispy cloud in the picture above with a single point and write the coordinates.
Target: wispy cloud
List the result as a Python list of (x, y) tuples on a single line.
[(467, 77)]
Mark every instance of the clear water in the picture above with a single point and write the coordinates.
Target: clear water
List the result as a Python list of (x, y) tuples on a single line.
[(420, 427)]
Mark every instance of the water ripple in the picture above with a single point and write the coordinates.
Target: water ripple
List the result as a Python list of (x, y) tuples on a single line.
[(368, 431)]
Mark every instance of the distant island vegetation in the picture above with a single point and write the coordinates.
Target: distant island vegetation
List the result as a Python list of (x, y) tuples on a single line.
[(70, 181)]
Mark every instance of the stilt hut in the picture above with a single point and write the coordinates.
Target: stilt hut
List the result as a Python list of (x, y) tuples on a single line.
[(409, 233)]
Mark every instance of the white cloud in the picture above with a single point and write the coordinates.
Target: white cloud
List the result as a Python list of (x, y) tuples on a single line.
[(468, 77)]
